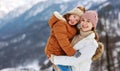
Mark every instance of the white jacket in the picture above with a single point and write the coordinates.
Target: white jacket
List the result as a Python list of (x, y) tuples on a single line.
[(87, 47)]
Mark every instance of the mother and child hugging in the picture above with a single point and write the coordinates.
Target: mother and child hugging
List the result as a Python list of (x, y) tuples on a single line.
[(73, 42)]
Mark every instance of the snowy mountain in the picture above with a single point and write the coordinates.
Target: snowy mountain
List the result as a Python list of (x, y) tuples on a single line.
[(24, 31), (7, 6), (39, 11)]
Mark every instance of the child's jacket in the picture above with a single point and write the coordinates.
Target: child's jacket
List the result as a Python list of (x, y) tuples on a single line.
[(60, 36)]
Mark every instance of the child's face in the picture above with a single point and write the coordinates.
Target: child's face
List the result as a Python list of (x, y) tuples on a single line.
[(86, 25), (73, 19)]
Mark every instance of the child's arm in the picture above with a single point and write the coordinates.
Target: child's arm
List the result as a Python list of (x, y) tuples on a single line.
[(60, 32)]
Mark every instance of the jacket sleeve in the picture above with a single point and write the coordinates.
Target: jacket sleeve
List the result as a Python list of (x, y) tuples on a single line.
[(60, 32), (86, 53)]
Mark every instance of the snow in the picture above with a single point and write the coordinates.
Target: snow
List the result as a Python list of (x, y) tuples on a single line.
[(34, 66), (3, 44), (18, 39), (103, 33), (105, 4), (119, 17), (117, 44), (33, 13), (60, 1), (63, 8), (46, 61), (98, 1), (8, 5)]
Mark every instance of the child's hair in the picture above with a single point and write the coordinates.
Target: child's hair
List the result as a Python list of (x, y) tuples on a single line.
[(66, 16)]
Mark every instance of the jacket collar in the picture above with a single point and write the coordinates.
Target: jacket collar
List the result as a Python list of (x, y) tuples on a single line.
[(59, 16), (92, 35)]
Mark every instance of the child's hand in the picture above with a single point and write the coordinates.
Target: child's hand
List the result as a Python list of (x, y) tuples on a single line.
[(52, 58), (77, 54)]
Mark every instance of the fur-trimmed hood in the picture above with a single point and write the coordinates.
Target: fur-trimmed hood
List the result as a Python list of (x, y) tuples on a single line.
[(54, 18)]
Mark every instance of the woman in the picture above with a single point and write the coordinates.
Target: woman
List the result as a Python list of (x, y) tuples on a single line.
[(85, 42)]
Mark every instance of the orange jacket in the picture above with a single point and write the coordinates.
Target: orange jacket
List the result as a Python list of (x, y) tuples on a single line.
[(60, 36)]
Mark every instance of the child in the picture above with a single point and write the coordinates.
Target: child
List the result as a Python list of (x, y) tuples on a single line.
[(62, 31), (85, 42)]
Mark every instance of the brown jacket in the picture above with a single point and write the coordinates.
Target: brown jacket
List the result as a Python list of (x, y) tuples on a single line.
[(60, 36)]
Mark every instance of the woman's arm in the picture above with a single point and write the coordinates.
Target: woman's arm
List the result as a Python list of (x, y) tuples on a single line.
[(86, 53)]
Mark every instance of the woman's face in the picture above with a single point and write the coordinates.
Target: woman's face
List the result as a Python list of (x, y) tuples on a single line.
[(86, 25), (73, 19)]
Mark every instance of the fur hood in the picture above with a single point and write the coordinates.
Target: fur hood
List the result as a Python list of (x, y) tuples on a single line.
[(55, 18)]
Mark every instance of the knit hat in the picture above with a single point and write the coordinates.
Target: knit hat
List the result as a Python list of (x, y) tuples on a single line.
[(92, 16), (77, 11)]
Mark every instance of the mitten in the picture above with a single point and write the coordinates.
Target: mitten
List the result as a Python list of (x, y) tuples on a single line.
[(77, 54)]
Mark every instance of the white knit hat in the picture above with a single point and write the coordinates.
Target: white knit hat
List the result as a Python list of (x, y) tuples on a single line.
[(77, 11)]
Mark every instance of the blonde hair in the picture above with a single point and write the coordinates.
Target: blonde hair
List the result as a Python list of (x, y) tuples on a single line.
[(100, 49)]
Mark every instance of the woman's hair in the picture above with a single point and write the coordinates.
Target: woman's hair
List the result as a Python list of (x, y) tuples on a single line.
[(100, 49), (96, 34)]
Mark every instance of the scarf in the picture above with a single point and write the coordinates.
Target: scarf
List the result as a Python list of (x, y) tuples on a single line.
[(80, 36)]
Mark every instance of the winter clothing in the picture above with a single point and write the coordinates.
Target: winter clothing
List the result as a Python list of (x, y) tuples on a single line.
[(64, 68), (77, 54), (87, 46), (60, 37), (61, 34), (92, 16), (80, 36), (77, 11)]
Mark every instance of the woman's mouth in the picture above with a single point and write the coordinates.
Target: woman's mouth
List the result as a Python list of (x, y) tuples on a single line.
[(83, 26)]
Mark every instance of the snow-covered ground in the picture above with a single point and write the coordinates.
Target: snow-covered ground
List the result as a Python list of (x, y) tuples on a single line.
[(34, 66)]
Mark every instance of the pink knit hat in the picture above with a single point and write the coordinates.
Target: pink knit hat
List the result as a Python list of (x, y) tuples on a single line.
[(92, 16)]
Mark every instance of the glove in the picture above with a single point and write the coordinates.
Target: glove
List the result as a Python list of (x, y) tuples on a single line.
[(77, 54)]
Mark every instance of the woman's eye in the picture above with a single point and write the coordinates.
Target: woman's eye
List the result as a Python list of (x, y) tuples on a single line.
[(88, 21), (83, 20)]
